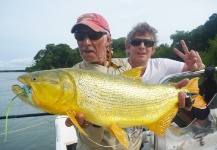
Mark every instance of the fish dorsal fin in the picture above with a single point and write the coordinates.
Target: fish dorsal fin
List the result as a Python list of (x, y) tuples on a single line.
[(75, 122), (120, 134), (192, 86), (134, 74), (160, 126)]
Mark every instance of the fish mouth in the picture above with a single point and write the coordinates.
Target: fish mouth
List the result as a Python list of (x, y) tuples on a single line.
[(26, 87), (17, 89), (22, 93)]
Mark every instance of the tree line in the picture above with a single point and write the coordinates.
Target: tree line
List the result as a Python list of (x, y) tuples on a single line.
[(203, 39)]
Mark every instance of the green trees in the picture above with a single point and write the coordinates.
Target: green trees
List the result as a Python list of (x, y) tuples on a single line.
[(118, 47), (209, 56), (198, 39), (55, 56)]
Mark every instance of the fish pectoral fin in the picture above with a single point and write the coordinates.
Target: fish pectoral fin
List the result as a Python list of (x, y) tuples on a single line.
[(120, 134), (160, 127), (75, 122), (134, 73)]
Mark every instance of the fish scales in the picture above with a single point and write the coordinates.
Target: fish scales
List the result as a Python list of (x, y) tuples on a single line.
[(114, 98)]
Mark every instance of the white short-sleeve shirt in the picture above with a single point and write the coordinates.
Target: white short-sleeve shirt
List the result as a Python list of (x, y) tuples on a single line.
[(157, 68)]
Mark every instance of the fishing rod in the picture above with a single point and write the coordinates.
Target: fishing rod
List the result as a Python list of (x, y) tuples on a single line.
[(26, 115), (182, 74)]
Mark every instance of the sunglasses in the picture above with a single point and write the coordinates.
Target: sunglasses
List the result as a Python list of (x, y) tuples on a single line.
[(137, 42), (79, 35)]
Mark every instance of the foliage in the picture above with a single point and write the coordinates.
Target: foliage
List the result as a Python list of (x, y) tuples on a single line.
[(118, 47), (55, 56), (198, 38), (164, 51), (210, 55)]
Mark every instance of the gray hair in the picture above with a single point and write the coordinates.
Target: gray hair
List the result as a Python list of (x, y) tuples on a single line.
[(142, 29)]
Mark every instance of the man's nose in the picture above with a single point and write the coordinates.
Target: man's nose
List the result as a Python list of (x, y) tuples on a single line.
[(142, 45), (87, 40)]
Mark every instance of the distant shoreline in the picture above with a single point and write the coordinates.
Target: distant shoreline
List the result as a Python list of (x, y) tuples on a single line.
[(12, 71)]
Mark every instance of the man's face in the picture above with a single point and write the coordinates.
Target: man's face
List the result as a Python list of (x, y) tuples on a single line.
[(91, 50), (141, 52)]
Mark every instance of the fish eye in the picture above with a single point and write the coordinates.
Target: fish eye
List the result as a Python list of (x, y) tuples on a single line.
[(34, 78)]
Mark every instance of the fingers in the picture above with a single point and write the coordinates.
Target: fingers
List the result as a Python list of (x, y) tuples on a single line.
[(185, 49), (181, 83), (193, 54), (80, 118), (68, 122), (180, 54), (181, 97), (191, 58), (184, 46), (199, 62), (194, 61)]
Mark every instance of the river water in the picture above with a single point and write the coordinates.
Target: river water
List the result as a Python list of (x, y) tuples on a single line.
[(23, 133)]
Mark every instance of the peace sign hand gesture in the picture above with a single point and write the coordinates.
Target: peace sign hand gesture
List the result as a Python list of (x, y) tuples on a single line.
[(191, 58)]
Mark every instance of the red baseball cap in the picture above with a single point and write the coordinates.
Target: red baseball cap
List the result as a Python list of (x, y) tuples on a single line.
[(92, 20)]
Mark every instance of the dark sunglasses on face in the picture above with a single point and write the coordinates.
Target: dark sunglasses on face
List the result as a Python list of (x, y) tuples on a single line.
[(79, 35), (137, 42)]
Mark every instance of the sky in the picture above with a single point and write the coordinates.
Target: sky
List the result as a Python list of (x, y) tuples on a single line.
[(27, 26)]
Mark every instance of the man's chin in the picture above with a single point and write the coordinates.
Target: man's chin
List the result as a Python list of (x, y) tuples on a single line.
[(93, 60)]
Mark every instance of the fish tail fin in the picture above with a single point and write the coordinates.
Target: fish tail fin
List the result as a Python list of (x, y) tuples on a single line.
[(161, 126), (199, 102), (192, 87), (120, 134), (75, 122)]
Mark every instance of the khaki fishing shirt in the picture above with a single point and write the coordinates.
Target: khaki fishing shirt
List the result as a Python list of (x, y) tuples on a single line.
[(101, 135)]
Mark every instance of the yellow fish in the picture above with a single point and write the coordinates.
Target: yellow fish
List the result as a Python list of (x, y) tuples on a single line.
[(112, 101)]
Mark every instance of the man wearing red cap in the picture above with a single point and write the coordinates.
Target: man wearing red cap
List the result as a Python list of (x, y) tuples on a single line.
[(93, 37)]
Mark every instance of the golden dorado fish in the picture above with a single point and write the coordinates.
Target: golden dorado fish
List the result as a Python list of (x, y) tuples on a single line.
[(112, 101)]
